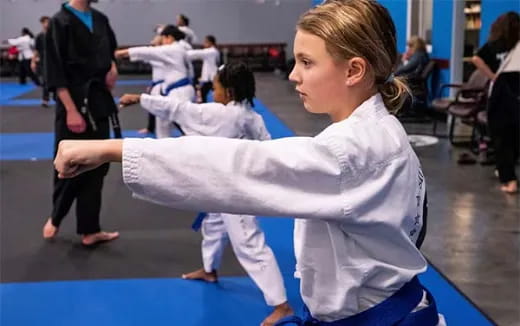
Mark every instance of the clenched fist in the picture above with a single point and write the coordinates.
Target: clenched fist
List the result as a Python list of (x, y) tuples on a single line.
[(129, 99), (77, 156)]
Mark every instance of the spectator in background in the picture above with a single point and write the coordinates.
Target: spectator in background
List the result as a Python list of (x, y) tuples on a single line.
[(38, 59), (503, 107), (414, 59)]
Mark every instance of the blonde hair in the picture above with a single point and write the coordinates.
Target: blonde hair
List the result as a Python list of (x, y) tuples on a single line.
[(360, 28), (416, 44)]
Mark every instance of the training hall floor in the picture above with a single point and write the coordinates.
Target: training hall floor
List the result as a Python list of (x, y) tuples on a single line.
[(472, 243)]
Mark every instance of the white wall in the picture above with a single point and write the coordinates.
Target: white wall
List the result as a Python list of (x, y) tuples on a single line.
[(231, 21)]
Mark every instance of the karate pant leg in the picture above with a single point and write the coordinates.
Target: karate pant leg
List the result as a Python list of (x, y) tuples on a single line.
[(214, 241), (255, 256)]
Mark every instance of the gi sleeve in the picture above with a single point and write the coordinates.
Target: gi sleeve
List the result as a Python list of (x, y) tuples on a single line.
[(200, 54), (258, 130), (16, 41), (148, 53), (296, 176), (205, 119)]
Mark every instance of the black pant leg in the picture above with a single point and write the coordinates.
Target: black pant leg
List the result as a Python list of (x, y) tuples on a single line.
[(505, 154), (85, 188), (504, 124), (22, 73), (27, 71), (45, 92), (45, 88), (151, 123), (88, 204), (64, 193)]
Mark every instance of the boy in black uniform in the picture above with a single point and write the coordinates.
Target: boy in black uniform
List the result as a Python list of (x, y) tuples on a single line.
[(80, 48)]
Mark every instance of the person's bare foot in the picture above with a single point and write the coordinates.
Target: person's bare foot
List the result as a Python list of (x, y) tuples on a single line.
[(143, 131), (49, 230), (95, 238), (201, 274), (279, 312), (511, 187)]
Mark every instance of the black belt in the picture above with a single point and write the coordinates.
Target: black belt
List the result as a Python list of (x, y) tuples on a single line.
[(85, 110)]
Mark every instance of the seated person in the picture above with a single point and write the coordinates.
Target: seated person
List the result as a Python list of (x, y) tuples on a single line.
[(413, 62), (414, 59)]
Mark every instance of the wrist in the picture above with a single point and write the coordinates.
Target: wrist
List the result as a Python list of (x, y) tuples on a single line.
[(71, 109), (112, 150)]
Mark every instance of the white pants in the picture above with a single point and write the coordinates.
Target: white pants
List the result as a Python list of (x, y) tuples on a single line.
[(163, 128), (248, 242)]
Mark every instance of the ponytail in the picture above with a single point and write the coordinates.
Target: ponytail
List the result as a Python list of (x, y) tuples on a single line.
[(394, 93)]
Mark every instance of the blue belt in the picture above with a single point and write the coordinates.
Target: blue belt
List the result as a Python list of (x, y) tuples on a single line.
[(154, 83), (177, 84), (394, 311), (197, 223)]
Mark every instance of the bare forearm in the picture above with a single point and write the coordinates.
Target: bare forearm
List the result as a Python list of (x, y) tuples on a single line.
[(66, 99), (483, 67), (123, 53)]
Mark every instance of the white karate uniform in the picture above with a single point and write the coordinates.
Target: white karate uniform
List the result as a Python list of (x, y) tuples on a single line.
[(176, 67), (24, 44), (187, 46), (234, 120), (190, 34), (356, 189), (158, 73), (210, 59)]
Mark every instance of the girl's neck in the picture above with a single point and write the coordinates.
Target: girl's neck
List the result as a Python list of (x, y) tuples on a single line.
[(355, 99)]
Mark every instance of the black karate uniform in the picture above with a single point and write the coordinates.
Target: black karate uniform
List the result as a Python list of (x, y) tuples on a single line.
[(78, 59), (39, 44)]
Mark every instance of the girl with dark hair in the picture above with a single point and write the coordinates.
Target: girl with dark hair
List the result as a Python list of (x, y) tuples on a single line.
[(230, 116), (25, 44), (504, 34), (210, 57), (183, 24)]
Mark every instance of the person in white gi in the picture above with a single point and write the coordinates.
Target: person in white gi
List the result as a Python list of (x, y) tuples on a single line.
[(210, 57), (172, 54), (183, 24), (25, 44), (229, 116), (157, 78), (356, 189)]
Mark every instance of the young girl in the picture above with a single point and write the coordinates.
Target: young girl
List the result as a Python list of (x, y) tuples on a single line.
[(24, 44), (157, 79), (356, 189), (210, 57), (175, 69), (230, 116)]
